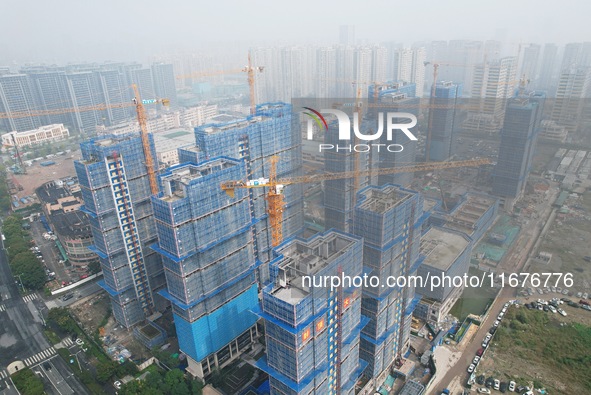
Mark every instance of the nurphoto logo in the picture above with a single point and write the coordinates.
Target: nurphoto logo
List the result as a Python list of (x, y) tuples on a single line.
[(392, 123)]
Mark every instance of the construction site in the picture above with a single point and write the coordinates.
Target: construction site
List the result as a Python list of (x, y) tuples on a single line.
[(206, 239)]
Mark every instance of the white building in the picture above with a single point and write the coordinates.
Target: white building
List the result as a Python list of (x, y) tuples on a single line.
[(493, 83), (44, 134), (572, 91), (409, 66), (184, 118), (168, 142)]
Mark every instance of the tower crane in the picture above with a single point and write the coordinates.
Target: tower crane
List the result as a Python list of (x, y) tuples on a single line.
[(248, 69), (142, 118), (275, 193)]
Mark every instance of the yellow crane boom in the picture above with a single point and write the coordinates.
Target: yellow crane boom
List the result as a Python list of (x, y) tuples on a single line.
[(275, 195), (142, 119), (249, 69)]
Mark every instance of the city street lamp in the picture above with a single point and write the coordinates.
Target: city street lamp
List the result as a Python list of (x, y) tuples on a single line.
[(21, 282)]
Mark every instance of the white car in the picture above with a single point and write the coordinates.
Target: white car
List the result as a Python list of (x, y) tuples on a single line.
[(497, 384), (552, 308), (471, 368), (475, 360), (562, 312), (483, 390), (79, 342), (117, 384), (512, 386), (496, 323), (585, 295)]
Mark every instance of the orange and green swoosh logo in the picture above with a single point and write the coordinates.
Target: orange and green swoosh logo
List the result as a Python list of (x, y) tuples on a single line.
[(317, 117)]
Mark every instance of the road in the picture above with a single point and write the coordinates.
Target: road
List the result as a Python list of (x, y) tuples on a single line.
[(49, 252), (21, 332), (514, 263)]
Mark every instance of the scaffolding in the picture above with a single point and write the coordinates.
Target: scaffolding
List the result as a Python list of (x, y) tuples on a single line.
[(387, 217), (313, 332), (256, 139), (206, 243), (116, 191)]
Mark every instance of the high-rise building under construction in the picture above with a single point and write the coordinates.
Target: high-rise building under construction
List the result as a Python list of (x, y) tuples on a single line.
[(390, 219), (215, 247), (116, 191), (312, 332), (207, 246)]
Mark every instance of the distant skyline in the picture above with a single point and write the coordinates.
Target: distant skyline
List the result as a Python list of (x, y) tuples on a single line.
[(64, 31)]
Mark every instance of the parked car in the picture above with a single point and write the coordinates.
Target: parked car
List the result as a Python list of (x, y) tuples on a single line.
[(67, 296), (584, 302), (490, 382), (562, 312), (503, 387), (497, 384), (480, 379), (496, 323), (475, 360), (117, 384), (512, 386), (483, 391), (471, 368), (480, 352), (79, 342)]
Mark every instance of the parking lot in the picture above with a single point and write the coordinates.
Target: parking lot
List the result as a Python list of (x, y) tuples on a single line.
[(536, 328)]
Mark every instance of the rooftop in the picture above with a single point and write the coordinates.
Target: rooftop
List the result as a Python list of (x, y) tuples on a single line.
[(302, 258), (50, 192), (442, 247), (173, 139), (73, 224), (178, 178), (412, 388), (380, 200)]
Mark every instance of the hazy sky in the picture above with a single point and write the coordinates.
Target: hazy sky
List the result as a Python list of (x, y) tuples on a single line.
[(74, 30)]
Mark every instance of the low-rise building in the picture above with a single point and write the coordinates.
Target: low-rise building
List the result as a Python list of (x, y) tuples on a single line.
[(44, 134), (446, 256), (61, 204)]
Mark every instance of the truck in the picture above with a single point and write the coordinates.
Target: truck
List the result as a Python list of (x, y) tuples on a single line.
[(445, 391)]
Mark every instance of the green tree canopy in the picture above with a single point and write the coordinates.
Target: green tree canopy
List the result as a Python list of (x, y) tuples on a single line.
[(26, 265)]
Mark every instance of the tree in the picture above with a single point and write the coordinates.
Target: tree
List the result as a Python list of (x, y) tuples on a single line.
[(61, 317), (26, 266), (104, 371), (27, 382), (94, 267), (175, 382), (16, 247)]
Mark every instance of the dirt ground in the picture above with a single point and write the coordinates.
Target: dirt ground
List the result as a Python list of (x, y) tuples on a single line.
[(37, 175), (568, 242), (506, 365), (90, 313)]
